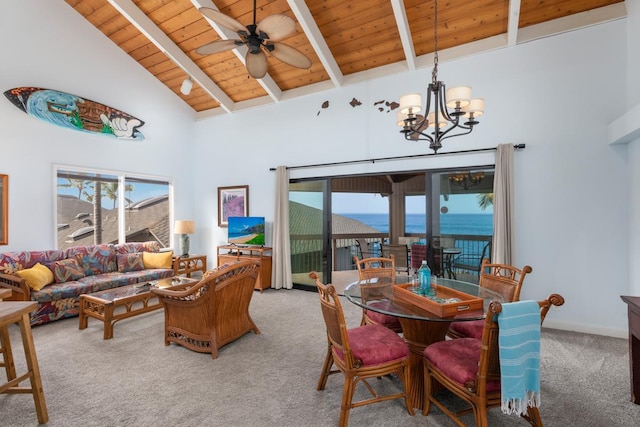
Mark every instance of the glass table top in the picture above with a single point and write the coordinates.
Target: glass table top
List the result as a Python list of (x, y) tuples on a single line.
[(379, 295)]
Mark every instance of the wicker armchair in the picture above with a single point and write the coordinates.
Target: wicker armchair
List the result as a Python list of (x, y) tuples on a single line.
[(213, 312)]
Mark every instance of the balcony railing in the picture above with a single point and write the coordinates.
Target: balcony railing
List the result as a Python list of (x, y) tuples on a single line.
[(306, 252)]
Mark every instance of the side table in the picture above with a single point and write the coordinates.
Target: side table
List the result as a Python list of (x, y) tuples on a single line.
[(189, 264), (633, 310)]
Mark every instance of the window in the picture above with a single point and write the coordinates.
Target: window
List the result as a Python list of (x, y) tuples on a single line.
[(109, 207)]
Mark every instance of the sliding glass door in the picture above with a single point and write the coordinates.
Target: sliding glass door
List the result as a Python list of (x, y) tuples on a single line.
[(309, 225)]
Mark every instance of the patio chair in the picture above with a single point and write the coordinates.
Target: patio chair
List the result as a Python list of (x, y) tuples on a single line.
[(503, 279), (470, 368), (362, 353), (401, 255), (205, 316), (371, 268)]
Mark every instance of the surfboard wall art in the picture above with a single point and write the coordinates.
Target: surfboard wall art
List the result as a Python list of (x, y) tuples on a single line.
[(75, 112)]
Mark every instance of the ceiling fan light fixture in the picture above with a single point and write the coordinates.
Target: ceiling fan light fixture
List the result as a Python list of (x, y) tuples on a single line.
[(187, 85), (258, 38)]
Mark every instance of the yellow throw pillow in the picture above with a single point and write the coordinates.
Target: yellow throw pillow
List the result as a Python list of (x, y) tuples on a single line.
[(157, 259), (37, 277)]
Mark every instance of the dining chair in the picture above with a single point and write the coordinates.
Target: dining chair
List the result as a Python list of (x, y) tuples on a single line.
[(361, 353), (371, 268), (503, 279), (470, 368)]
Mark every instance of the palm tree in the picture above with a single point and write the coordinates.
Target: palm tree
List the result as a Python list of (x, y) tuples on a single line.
[(80, 184), (485, 200), (110, 190)]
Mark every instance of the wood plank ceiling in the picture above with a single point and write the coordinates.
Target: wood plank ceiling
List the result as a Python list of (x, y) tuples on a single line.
[(347, 41)]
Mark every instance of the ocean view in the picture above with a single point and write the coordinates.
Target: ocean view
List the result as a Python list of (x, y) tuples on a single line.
[(474, 224)]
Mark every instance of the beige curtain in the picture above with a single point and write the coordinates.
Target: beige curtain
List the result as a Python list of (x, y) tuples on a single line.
[(502, 252), (281, 243)]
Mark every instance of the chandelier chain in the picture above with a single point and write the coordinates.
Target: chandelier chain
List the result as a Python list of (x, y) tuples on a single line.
[(434, 72)]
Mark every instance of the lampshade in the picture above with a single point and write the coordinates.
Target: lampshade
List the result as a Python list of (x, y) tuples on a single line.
[(476, 106), (187, 84), (442, 123), (184, 227), (411, 103), (401, 117), (461, 94)]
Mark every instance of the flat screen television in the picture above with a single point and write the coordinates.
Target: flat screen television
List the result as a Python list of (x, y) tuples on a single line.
[(246, 230)]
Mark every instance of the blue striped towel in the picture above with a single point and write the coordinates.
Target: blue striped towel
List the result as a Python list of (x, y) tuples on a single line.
[(519, 344)]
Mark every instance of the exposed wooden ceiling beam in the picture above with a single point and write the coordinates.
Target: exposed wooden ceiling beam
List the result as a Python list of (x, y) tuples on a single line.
[(514, 20), (402, 22), (146, 26), (310, 28)]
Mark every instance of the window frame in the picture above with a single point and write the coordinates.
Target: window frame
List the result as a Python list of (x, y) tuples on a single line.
[(122, 178)]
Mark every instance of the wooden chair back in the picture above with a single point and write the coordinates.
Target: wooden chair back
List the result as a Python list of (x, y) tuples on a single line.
[(369, 268), (334, 319), (503, 279)]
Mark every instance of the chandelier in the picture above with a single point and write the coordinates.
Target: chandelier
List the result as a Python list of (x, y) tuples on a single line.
[(454, 112), (467, 180)]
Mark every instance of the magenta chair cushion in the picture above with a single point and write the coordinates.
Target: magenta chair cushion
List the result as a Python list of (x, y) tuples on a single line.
[(374, 345), (458, 359), (383, 319), (470, 329)]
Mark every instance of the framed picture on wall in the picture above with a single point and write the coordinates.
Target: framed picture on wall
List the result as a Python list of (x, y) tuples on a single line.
[(232, 201), (4, 209)]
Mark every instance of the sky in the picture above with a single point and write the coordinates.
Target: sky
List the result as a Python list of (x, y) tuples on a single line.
[(141, 191), (372, 203)]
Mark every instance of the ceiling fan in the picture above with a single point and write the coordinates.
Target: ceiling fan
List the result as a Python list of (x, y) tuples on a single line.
[(258, 38)]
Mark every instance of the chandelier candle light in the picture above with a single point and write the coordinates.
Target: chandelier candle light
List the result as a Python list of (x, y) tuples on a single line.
[(184, 228), (449, 106)]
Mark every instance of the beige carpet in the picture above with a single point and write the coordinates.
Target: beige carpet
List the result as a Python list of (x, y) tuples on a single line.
[(270, 379)]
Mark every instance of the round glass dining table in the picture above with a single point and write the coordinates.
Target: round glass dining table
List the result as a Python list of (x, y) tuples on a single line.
[(420, 327)]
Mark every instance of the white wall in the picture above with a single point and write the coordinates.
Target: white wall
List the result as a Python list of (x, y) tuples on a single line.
[(556, 95), (48, 44)]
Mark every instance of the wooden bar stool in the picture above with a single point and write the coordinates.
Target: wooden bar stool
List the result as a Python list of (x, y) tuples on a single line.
[(5, 345), (18, 312)]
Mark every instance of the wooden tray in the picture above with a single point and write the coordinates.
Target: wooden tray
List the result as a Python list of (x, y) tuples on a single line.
[(467, 302)]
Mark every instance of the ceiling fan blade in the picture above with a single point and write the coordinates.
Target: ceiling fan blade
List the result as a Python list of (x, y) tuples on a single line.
[(217, 46), (256, 64), (290, 55), (277, 26), (222, 19)]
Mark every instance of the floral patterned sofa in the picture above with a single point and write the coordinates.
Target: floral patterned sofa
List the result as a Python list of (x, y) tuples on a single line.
[(57, 278)]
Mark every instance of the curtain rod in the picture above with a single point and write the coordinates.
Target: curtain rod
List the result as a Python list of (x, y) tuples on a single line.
[(385, 159)]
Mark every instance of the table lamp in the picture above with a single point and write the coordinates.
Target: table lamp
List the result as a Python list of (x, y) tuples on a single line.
[(184, 228)]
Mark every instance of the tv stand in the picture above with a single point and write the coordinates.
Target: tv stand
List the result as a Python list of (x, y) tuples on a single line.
[(231, 253)]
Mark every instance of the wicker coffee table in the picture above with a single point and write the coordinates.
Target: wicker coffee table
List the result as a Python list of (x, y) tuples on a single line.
[(123, 302)]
